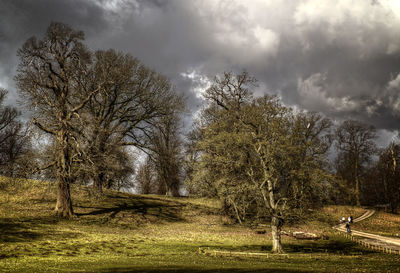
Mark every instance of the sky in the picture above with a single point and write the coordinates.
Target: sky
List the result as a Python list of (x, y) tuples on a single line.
[(340, 58)]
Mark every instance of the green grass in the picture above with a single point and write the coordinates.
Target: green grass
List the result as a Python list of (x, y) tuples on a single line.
[(382, 223), (134, 233), (322, 220)]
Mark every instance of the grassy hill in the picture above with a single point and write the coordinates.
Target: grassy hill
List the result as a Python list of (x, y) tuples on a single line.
[(122, 232), (381, 223)]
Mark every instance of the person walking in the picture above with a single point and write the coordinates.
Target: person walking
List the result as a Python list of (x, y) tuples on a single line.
[(348, 228)]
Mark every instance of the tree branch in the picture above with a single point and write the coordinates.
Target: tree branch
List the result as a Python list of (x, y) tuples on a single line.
[(43, 128)]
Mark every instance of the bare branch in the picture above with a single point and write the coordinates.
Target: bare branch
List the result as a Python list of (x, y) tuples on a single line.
[(43, 128)]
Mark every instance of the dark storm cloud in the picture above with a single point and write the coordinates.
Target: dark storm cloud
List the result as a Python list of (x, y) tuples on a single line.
[(21, 19), (340, 58)]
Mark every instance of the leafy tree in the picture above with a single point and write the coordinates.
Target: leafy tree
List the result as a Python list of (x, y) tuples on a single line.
[(197, 182), (264, 161), (355, 145), (52, 77)]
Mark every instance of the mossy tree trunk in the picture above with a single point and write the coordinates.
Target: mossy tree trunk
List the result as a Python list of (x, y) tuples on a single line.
[(64, 203), (276, 226)]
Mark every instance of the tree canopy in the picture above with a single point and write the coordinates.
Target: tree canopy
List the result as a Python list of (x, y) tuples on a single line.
[(263, 160)]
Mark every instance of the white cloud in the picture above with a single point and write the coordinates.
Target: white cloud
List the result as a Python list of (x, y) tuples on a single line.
[(268, 40), (3, 84), (385, 137), (394, 83), (336, 13), (236, 31), (200, 83), (315, 96), (4, 81), (350, 23), (392, 95), (320, 55)]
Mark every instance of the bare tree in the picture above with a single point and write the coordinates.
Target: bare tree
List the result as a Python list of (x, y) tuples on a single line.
[(166, 151), (355, 145), (52, 77), (14, 139), (146, 177), (123, 113), (384, 186)]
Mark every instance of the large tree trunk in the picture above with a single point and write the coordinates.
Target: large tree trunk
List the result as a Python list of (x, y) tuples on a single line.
[(162, 187), (172, 179), (276, 225), (173, 189), (173, 192), (64, 203), (98, 182), (395, 195), (169, 180), (358, 191), (385, 188)]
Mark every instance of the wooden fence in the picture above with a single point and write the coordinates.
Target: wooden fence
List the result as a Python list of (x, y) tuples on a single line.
[(212, 252), (368, 245), (357, 240)]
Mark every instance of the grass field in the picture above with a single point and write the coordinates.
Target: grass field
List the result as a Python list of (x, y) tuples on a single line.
[(135, 233), (381, 223)]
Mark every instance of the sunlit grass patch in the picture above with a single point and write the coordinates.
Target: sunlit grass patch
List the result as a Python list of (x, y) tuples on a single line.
[(381, 223), (120, 232), (320, 221)]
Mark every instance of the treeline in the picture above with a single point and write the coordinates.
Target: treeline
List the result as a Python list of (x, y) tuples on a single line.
[(263, 160), (269, 163), (238, 135)]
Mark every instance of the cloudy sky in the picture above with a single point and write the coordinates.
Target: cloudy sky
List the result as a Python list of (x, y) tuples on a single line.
[(341, 58)]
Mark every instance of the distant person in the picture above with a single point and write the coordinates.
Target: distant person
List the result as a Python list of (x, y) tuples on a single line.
[(343, 220), (348, 228), (351, 219)]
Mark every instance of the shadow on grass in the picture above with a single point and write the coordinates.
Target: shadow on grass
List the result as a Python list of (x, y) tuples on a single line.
[(24, 229), (333, 246), (146, 207), (30, 228)]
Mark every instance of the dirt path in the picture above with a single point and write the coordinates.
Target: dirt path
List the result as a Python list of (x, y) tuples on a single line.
[(369, 238)]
